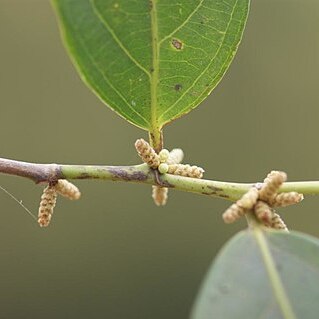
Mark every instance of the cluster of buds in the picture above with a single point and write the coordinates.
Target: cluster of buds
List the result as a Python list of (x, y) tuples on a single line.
[(49, 197), (261, 200), (165, 162)]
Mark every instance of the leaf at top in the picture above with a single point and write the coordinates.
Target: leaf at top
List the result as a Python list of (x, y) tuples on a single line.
[(262, 275), (152, 61)]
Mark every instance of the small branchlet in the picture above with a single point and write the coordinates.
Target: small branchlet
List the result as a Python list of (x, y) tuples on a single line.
[(261, 199), (49, 198), (147, 153)]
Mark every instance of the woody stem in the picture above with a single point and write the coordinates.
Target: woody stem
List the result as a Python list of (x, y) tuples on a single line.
[(41, 173)]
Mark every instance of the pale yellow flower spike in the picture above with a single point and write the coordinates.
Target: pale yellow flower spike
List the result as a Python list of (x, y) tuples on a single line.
[(67, 189), (185, 170), (264, 213), (147, 153), (261, 201), (159, 195), (233, 213), (271, 185), (249, 199), (286, 199), (278, 223), (241, 207), (47, 204)]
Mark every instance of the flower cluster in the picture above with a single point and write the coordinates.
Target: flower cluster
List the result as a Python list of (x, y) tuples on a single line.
[(261, 200), (165, 162), (49, 197)]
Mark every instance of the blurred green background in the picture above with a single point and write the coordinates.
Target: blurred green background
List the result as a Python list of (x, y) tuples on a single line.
[(113, 254)]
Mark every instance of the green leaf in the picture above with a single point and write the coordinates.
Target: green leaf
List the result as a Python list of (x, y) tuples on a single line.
[(152, 61), (262, 274)]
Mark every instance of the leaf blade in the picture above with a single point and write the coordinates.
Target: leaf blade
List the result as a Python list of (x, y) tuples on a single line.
[(236, 290), (214, 60), (104, 78), (152, 62)]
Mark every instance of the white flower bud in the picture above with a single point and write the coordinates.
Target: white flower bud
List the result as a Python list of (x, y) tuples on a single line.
[(163, 168)]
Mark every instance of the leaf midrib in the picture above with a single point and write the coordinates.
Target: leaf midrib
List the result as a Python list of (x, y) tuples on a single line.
[(274, 276), (154, 72)]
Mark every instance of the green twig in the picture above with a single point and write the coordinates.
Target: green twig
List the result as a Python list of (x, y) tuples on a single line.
[(41, 173)]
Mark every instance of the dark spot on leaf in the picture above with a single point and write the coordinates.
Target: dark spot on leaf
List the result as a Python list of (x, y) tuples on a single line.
[(178, 87), (223, 196), (152, 70), (202, 22), (177, 44)]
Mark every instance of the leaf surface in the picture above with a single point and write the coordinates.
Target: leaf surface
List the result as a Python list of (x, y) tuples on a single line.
[(152, 61), (262, 274)]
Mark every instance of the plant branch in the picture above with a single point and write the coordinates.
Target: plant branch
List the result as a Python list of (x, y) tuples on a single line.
[(44, 173)]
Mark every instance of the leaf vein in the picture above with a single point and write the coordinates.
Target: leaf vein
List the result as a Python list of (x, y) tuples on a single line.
[(207, 67), (106, 79), (182, 24), (115, 38), (274, 277)]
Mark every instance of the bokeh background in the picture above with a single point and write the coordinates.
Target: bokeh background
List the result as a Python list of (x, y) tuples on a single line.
[(113, 254)]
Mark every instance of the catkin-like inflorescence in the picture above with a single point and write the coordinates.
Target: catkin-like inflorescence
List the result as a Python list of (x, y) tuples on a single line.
[(176, 156), (185, 170), (249, 199), (271, 185), (278, 223), (159, 195), (147, 153), (264, 212), (67, 189), (233, 213), (286, 199), (47, 204)]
